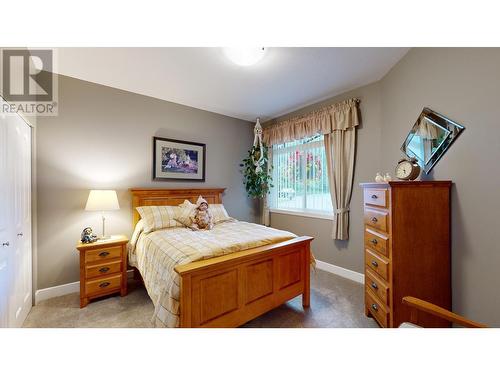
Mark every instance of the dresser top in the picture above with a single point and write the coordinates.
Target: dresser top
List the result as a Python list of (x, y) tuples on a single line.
[(404, 183)]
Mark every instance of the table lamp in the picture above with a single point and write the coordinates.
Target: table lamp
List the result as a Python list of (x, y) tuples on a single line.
[(102, 200)]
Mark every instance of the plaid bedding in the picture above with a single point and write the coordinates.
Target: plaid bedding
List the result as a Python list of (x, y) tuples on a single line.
[(156, 255)]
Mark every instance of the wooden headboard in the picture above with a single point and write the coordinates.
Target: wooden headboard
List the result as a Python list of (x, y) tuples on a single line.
[(171, 197)]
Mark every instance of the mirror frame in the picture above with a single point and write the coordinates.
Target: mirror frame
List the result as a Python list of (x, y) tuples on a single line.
[(454, 128)]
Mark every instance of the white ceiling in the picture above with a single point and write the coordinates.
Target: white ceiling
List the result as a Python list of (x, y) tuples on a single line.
[(284, 80)]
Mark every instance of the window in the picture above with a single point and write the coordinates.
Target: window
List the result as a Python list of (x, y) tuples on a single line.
[(300, 177)]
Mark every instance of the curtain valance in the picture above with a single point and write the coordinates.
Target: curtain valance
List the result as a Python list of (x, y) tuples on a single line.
[(339, 116)]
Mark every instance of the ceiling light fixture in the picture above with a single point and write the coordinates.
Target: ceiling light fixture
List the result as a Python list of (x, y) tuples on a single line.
[(245, 56)]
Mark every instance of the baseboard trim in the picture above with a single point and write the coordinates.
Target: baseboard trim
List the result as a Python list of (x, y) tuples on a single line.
[(56, 291), (62, 290), (342, 272)]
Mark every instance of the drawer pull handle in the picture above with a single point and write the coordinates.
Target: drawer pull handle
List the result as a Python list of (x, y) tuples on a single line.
[(374, 196), (6, 243), (374, 307), (374, 241), (104, 254), (104, 285), (104, 269), (374, 285), (374, 263), (374, 219)]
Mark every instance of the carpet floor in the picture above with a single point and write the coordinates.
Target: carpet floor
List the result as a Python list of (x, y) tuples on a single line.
[(335, 302)]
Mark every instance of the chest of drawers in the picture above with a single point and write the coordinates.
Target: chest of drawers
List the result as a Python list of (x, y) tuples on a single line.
[(407, 249)]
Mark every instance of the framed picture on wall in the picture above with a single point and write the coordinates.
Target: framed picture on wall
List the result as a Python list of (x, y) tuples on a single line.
[(178, 160)]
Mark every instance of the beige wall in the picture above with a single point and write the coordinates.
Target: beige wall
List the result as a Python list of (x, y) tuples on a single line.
[(463, 84), (347, 254), (102, 138)]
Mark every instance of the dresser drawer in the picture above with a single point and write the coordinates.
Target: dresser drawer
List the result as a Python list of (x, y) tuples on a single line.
[(377, 241), (103, 254), (377, 287), (376, 197), (103, 285), (377, 264), (377, 219), (103, 269), (377, 309)]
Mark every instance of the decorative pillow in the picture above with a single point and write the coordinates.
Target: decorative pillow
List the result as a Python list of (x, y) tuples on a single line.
[(186, 211), (158, 217), (219, 213)]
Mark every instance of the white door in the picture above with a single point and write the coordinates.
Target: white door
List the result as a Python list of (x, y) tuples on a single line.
[(22, 222), (5, 224), (15, 221)]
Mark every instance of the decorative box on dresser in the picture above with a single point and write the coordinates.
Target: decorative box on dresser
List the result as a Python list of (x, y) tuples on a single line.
[(407, 249), (103, 268)]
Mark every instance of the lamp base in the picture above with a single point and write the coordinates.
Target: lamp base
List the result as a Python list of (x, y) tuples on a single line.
[(107, 238)]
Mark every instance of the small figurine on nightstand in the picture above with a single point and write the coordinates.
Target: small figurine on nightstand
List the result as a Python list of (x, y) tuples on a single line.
[(379, 178), (87, 236), (387, 177)]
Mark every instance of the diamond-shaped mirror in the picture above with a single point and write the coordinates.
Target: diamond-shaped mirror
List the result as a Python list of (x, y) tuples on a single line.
[(430, 138)]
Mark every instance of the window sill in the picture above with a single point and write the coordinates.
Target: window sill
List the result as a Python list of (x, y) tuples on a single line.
[(316, 215)]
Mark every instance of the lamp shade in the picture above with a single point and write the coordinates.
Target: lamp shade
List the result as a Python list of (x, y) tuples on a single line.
[(102, 200)]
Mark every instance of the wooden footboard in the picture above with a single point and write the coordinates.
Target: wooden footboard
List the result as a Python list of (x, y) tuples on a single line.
[(229, 291)]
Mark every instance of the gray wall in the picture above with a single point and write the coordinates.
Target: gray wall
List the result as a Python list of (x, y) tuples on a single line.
[(347, 254), (464, 85), (101, 139)]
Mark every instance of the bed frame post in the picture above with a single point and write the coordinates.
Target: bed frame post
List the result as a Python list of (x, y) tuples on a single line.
[(185, 302), (306, 295)]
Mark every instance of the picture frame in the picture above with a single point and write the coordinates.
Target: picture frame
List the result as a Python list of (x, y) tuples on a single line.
[(177, 160)]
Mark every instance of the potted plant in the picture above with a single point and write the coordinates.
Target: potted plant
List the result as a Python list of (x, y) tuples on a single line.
[(257, 177)]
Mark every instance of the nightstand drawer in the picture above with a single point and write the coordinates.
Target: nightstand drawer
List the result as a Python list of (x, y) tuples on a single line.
[(103, 253), (103, 269), (103, 285)]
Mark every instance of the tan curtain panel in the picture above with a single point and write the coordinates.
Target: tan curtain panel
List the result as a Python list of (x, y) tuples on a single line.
[(340, 148), (337, 123), (339, 116), (266, 215)]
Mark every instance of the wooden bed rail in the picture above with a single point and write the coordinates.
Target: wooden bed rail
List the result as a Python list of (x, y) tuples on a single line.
[(435, 310)]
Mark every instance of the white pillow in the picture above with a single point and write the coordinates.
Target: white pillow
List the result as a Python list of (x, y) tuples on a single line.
[(185, 212), (219, 213), (158, 217)]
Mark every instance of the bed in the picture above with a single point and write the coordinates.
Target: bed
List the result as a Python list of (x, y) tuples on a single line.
[(231, 289)]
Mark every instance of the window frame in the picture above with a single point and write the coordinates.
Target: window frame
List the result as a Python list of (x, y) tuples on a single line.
[(305, 212)]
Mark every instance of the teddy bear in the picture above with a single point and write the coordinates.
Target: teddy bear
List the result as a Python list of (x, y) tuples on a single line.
[(202, 218)]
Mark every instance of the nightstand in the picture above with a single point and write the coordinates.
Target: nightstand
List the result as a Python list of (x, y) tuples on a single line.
[(103, 268)]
